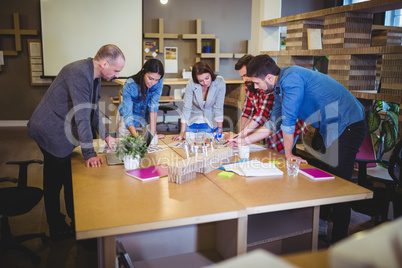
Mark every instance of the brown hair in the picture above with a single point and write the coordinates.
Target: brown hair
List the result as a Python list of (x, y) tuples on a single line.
[(202, 68), (243, 61)]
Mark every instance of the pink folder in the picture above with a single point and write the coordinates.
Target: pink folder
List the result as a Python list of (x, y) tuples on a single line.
[(149, 173), (316, 174)]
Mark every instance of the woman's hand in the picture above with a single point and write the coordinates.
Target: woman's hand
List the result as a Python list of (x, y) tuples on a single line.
[(161, 136), (178, 138)]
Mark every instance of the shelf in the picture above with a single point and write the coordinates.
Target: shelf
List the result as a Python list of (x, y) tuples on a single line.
[(193, 259), (374, 6), (378, 96), (205, 243), (274, 226), (338, 51)]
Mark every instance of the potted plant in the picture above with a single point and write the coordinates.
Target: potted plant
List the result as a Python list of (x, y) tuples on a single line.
[(206, 46), (131, 149), (383, 116)]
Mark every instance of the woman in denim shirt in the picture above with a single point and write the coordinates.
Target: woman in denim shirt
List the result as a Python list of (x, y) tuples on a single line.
[(203, 101), (141, 94)]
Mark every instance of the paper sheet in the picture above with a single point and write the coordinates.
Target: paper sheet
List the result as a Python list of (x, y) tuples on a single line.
[(254, 168)]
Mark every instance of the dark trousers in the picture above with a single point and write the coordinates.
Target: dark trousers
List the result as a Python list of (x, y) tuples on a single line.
[(340, 159), (57, 174)]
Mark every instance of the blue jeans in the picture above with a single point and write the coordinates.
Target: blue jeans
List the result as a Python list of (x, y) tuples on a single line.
[(199, 128)]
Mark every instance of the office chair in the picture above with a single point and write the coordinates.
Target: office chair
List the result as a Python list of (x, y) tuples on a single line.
[(384, 190), (16, 201), (231, 115), (394, 170), (165, 107)]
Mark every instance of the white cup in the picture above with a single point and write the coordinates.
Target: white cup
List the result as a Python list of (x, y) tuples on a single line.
[(155, 140), (244, 152), (292, 166)]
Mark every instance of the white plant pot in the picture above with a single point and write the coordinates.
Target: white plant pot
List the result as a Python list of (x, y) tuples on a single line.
[(131, 162)]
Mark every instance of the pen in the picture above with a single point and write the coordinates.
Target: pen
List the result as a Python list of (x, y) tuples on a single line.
[(233, 138)]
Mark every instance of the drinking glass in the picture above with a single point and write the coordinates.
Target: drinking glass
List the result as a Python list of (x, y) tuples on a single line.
[(292, 166)]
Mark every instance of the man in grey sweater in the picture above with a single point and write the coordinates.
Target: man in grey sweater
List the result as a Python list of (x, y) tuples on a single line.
[(63, 120)]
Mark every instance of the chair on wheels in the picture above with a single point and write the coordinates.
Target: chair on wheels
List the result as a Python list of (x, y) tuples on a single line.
[(16, 201), (384, 189), (165, 107), (231, 115), (394, 170)]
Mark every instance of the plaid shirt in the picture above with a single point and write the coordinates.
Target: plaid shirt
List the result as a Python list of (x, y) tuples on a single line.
[(258, 107)]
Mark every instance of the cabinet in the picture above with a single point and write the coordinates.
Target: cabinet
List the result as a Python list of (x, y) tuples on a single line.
[(352, 61)]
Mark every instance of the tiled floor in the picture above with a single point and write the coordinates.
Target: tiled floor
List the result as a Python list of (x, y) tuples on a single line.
[(16, 145)]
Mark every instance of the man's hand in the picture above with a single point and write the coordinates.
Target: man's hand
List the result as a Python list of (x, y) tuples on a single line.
[(95, 161), (291, 156), (178, 138), (111, 142), (238, 142)]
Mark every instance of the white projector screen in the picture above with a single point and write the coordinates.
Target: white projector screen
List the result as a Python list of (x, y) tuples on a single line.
[(75, 29)]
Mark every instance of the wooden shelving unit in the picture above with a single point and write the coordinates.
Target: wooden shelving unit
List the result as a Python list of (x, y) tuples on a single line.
[(374, 6), (392, 81), (377, 96), (338, 51)]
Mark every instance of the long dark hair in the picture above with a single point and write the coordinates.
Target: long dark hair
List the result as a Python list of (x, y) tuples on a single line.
[(202, 68), (150, 66)]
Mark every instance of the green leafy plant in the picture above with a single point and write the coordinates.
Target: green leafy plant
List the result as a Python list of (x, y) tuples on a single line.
[(383, 116), (131, 145)]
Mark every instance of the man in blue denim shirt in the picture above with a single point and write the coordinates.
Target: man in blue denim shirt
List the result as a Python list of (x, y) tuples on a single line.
[(322, 102)]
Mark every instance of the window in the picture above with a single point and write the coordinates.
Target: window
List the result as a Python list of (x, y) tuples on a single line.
[(393, 18)]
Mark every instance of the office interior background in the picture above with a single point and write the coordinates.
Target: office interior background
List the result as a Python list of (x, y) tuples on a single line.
[(235, 22)]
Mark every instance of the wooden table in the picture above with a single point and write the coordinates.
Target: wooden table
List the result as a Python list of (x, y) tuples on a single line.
[(266, 199), (207, 216)]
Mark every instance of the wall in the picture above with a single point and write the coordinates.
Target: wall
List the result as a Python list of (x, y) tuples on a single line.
[(18, 98), (293, 7), (229, 20)]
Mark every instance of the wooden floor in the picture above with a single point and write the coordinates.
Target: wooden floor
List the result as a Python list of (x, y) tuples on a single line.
[(16, 145)]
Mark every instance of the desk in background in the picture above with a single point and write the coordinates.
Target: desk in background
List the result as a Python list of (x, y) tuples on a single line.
[(235, 89), (203, 220), (235, 94), (116, 102)]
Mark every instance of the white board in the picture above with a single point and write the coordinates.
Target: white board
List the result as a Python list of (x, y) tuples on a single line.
[(76, 29)]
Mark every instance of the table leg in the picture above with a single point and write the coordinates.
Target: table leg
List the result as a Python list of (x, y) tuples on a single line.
[(107, 251), (316, 225)]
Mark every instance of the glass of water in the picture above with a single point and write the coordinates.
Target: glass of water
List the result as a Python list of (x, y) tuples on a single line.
[(292, 166)]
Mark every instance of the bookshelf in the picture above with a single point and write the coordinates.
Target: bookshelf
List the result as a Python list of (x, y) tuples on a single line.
[(353, 61)]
